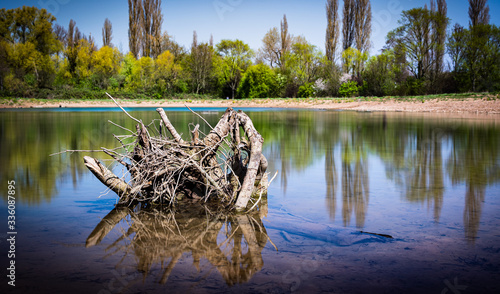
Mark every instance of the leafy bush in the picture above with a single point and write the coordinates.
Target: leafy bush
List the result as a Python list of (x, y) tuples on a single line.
[(349, 89), (306, 91), (259, 81), (415, 86)]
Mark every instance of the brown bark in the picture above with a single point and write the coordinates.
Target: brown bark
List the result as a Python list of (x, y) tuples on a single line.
[(256, 142), (107, 177)]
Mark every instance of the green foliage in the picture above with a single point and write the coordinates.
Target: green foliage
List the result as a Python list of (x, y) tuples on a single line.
[(415, 36), (353, 61), (380, 75), (306, 91), (301, 65), (141, 75), (349, 89), (475, 53), (165, 73), (235, 60), (36, 60), (106, 64), (201, 67), (259, 81)]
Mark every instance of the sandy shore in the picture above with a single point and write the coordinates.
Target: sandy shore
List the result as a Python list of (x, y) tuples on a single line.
[(469, 105)]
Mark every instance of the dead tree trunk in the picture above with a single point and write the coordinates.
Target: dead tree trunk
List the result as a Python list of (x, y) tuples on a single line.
[(223, 166)]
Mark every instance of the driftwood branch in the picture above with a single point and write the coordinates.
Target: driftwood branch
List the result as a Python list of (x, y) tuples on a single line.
[(107, 177), (169, 126)]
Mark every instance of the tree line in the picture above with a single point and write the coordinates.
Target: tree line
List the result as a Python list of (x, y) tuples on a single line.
[(39, 57)]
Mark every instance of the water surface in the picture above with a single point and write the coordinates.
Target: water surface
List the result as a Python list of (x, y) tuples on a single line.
[(363, 202)]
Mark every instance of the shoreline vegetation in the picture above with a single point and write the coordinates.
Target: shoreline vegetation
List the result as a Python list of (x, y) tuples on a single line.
[(42, 59), (472, 103)]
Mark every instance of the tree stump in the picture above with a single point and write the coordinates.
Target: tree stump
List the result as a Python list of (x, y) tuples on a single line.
[(227, 165)]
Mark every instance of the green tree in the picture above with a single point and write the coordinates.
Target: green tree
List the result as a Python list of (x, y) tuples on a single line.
[(73, 37), (456, 47), (259, 81), (83, 69), (200, 65), (166, 72), (305, 61), (126, 68), (141, 76), (236, 57), (380, 74), (475, 54), (24, 61), (28, 42), (303, 65), (35, 26), (271, 49), (354, 60), (106, 63), (415, 37), (6, 21)]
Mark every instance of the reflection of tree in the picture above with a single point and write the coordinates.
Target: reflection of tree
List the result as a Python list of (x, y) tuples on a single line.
[(156, 237), (331, 182), (412, 152), (474, 160), (355, 188), (425, 172)]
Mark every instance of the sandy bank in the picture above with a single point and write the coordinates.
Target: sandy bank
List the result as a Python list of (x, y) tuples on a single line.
[(469, 105)]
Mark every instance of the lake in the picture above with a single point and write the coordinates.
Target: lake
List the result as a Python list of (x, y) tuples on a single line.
[(362, 202)]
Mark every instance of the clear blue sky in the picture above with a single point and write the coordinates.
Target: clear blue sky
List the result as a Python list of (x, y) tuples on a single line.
[(247, 20)]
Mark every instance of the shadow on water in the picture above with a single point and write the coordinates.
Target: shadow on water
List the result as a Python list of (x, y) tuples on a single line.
[(231, 243)]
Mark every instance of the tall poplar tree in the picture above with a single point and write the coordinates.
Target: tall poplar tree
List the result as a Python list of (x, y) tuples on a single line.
[(285, 41), (332, 29), (107, 32), (135, 27), (348, 24), (439, 27), (362, 25), (152, 19), (479, 12)]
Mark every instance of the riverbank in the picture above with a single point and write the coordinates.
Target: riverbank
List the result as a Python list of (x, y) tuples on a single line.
[(485, 104)]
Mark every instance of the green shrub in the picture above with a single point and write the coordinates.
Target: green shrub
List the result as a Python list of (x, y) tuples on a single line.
[(259, 81), (306, 91), (349, 89)]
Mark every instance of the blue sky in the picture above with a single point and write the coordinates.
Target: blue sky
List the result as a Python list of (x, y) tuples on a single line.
[(247, 20)]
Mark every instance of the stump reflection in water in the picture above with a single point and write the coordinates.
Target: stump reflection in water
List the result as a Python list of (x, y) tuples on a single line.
[(161, 237)]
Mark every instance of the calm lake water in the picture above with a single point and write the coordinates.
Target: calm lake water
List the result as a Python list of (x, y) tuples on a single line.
[(363, 203)]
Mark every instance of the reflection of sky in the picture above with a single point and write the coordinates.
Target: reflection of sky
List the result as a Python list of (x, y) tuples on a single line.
[(232, 19), (53, 231)]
